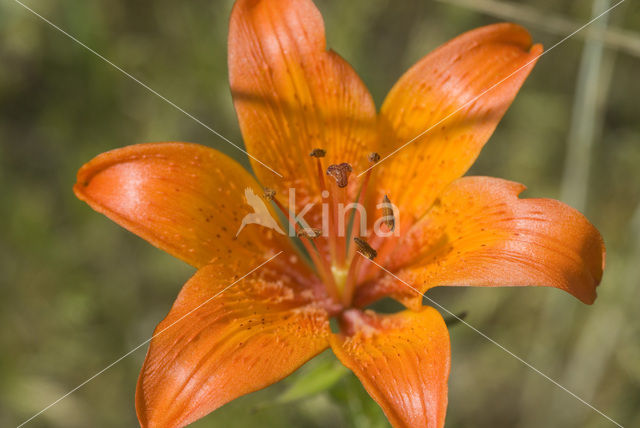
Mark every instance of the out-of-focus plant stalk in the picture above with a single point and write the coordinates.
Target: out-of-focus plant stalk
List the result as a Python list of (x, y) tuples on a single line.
[(601, 331), (558, 316)]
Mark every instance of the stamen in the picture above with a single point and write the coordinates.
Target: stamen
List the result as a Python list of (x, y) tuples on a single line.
[(322, 268), (269, 194), (352, 276), (365, 249), (309, 232), (350, 283), (387, 213), (340, 173), (362, 193), (374, 157), (318, 153)]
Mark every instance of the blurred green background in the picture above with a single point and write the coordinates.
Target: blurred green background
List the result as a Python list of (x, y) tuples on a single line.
[(78, 292)]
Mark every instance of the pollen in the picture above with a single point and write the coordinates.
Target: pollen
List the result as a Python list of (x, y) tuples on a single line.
[(318, 153), (387, 213), (340, 173), (309, 232), (269, 194), (365, 249), (374, 157)]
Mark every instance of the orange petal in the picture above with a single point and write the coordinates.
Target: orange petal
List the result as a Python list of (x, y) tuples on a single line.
[(402, 360), (184, 198), (216, 345), (480, 233), (292, 95), (489, 63)]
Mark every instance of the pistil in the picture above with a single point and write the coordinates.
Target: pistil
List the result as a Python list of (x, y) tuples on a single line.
[(341, 271), (337, 199), (364, 250)]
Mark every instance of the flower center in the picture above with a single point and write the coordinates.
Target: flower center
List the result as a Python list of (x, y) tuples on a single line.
[(338, 248), (341, 268)]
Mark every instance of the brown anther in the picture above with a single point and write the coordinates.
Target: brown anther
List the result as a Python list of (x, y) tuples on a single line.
[(340, 173), (318, 153), (269, 194), (387, 213), (374, 157), (309, 232), (365, 249)]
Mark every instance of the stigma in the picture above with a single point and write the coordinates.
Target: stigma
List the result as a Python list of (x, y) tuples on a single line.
[(340, 173)]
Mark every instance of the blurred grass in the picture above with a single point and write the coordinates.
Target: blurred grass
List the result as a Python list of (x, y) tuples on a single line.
[(78, 291)]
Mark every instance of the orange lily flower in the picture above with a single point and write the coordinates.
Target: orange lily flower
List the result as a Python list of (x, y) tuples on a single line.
[(234, 329)]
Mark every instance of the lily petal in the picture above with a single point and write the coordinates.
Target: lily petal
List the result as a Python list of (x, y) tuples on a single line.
[(457, 94), (184, 198), (479, 233), (402, 360), (292, 95), (217, 344)]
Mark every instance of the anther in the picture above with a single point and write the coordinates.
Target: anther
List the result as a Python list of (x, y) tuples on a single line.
[(340, 173), (309, 232), (387, 213), (269, 193), (374, 157), (365, 249), (318, 153)]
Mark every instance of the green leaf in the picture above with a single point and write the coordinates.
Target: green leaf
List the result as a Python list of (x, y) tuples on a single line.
[(318, 378)]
